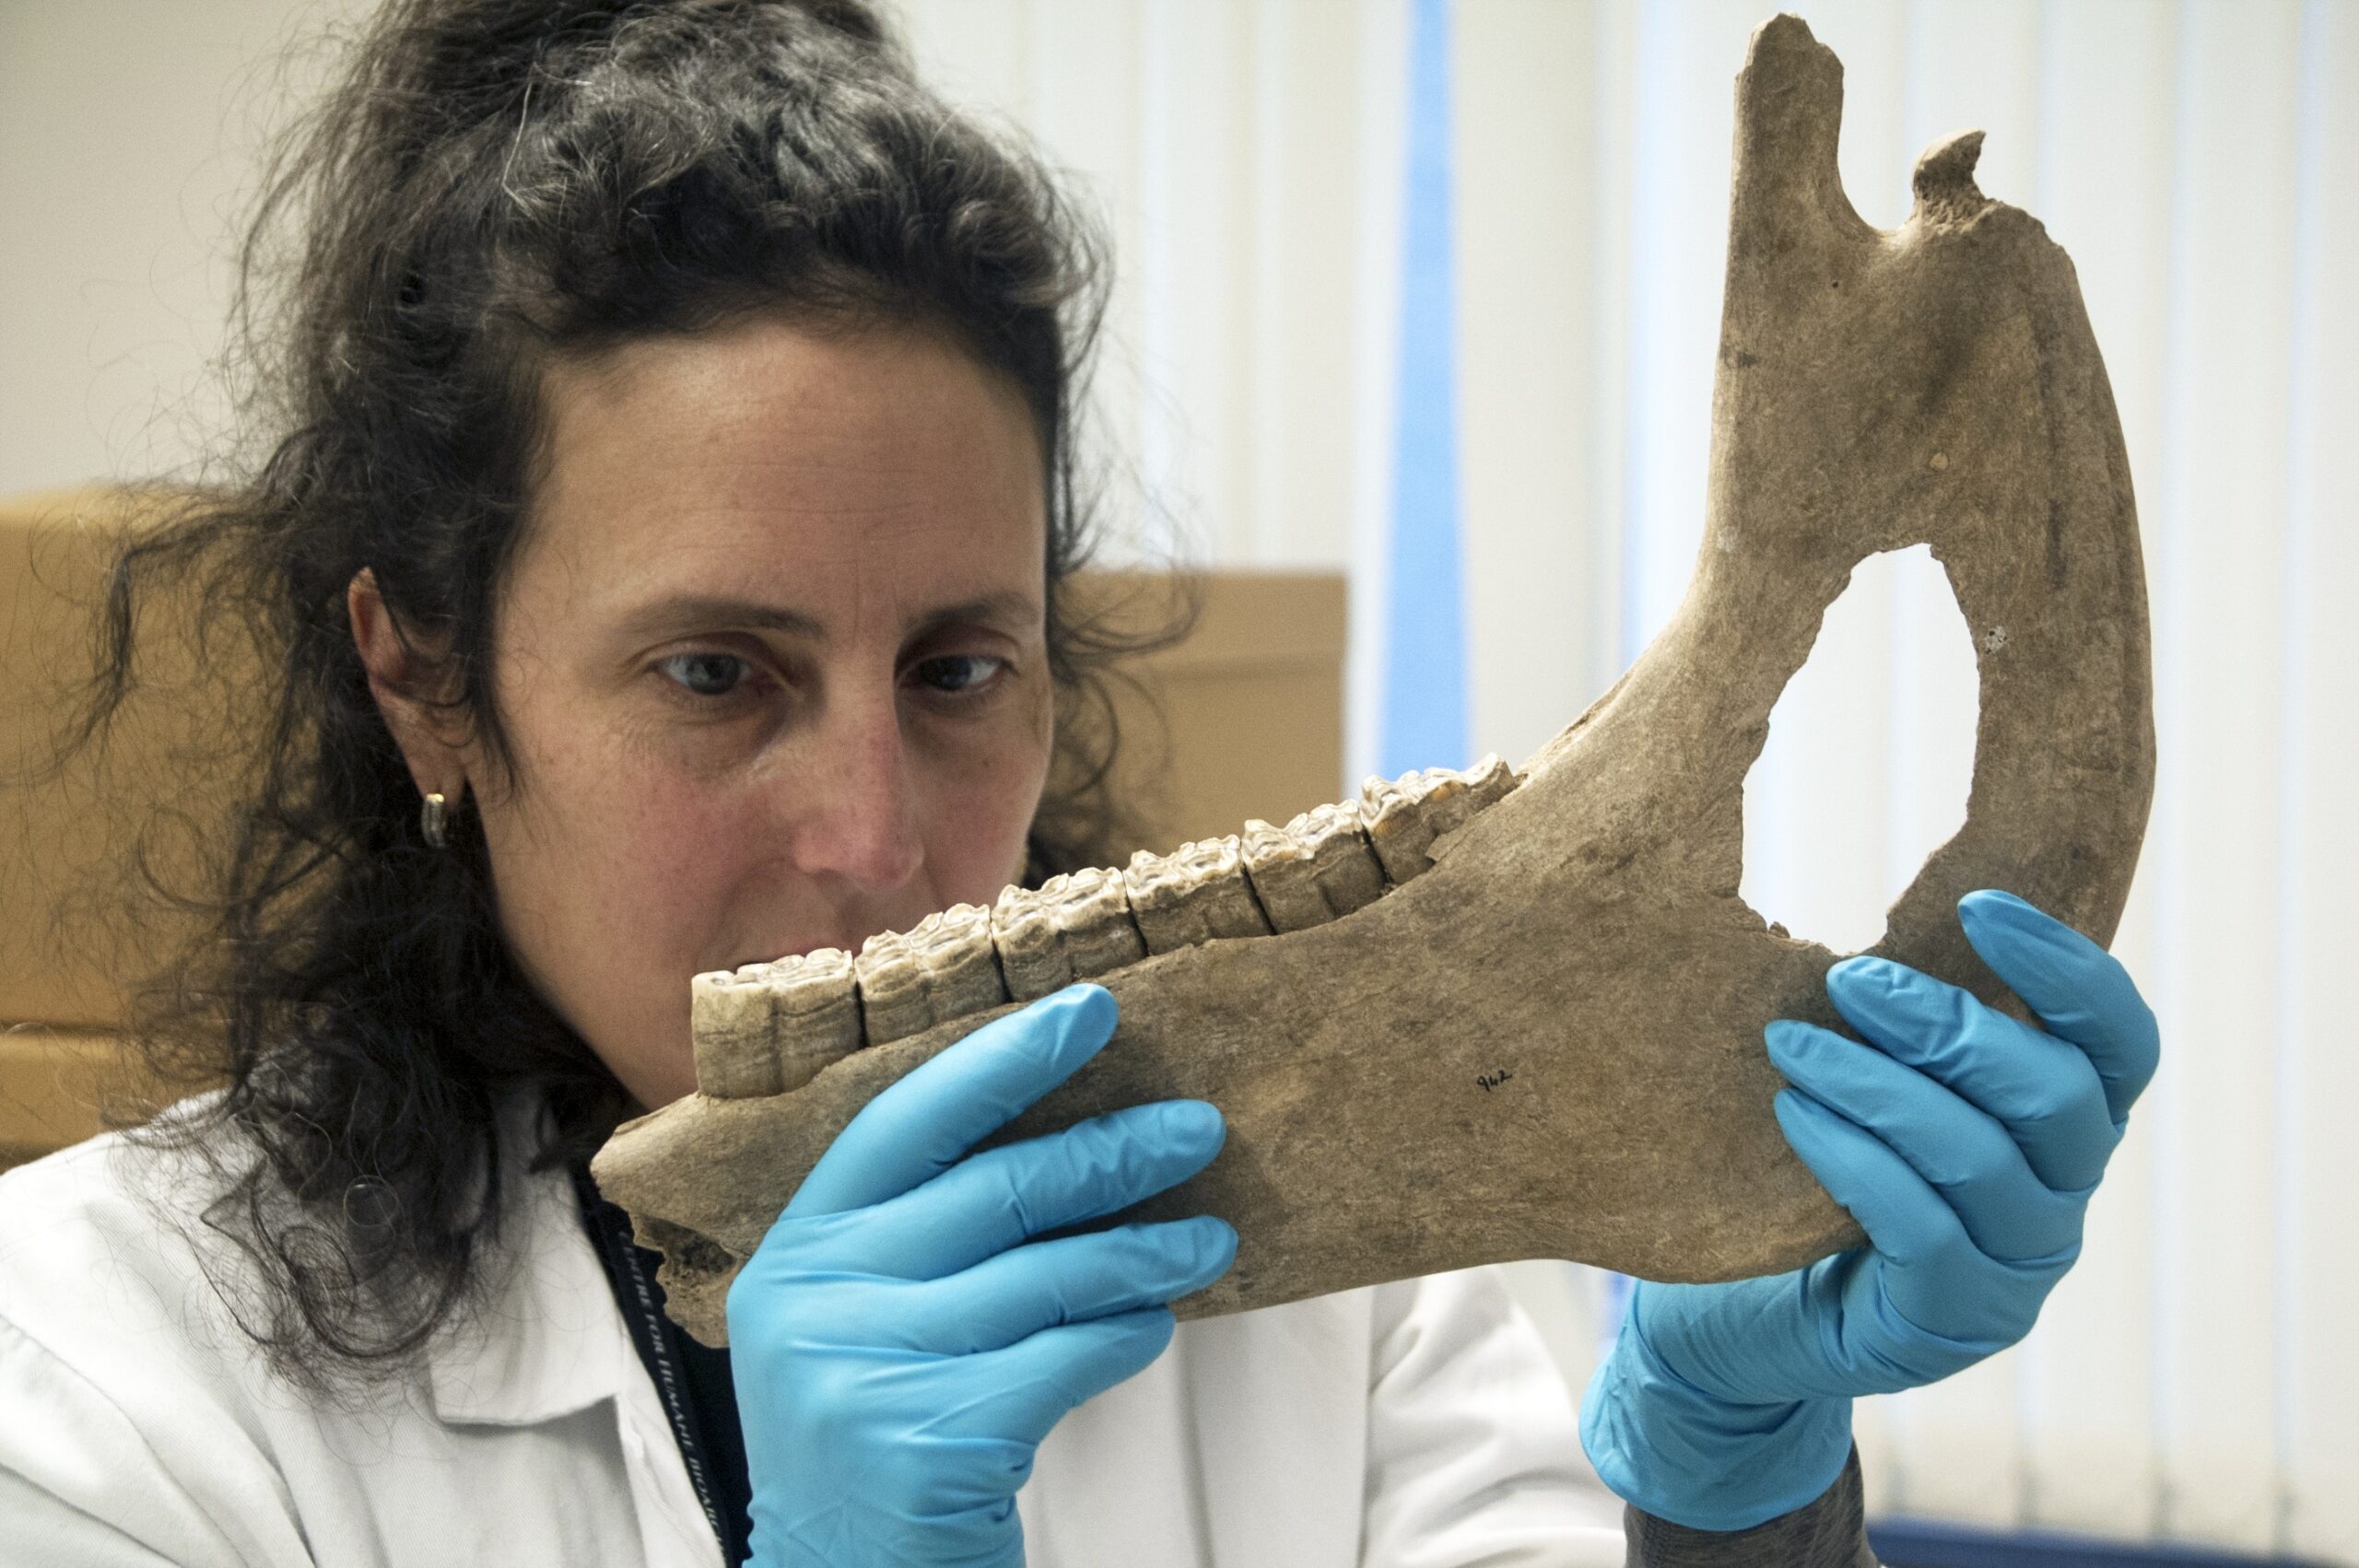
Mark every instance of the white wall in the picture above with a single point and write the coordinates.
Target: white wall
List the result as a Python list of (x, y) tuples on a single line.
[(2199, 158), (128, 130)]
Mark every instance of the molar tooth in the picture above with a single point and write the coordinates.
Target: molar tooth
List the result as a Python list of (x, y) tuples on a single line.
[(1075, 926), (954, 947), (1196, 894), (1398, 834), (941, 969), (1487, 782), (1030, 956), (1404, 816), (1345, 872), (1280, 867), (736, 1050), (818, 1007), (893, 1004), (1092, 913)]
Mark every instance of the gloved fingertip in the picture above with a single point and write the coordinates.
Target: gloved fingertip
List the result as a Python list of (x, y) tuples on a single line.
[(1792, 1040), (1196, 1124), (1215, 1241), (1092, 1009), (1989, 914), (1996, 905), (2024, 946), (1864, 975)]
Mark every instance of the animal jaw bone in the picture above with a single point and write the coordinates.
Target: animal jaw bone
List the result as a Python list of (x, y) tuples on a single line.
[(1546, 1039)]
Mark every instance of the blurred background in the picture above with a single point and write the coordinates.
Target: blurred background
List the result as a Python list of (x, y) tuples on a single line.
[(1426, 294)]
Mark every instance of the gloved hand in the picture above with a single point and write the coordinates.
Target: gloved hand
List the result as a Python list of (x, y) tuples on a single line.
[(899, 1349), (1966, 1143)]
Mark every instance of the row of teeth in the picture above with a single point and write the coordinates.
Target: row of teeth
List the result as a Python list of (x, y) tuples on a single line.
[(769, 1027)]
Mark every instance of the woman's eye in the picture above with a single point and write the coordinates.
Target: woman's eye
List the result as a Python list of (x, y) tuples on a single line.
[(959, 673), (706, 675)]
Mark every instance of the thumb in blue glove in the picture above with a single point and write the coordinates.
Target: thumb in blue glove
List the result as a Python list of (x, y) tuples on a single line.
[(1966, 1143), (900, 1344)]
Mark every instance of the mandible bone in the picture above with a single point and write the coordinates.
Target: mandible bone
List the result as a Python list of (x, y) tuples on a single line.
[(1546, 1039)]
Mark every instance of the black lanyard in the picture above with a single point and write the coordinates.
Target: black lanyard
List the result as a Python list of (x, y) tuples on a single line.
[(692, 1380)]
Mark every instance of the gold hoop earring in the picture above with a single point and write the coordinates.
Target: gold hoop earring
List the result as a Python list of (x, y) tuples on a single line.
[(432, 813)]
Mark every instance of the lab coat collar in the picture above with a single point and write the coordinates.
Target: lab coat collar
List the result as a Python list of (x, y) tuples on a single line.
[(548, 1339)]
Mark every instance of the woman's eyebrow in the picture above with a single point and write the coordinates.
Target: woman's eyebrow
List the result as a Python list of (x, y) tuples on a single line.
[(1010, 610), (702, 610)]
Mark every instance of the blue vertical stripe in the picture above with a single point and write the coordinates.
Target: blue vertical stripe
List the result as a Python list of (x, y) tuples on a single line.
[(1424, 667)]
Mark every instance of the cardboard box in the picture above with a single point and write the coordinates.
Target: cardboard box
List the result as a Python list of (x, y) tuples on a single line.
[(1244, 717)]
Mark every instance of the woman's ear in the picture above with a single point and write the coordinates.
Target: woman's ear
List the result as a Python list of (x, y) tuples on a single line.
[(410, 678)]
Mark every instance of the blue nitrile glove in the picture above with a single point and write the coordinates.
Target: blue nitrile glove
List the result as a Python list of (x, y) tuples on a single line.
[(1966, 1145), (900, 1345)]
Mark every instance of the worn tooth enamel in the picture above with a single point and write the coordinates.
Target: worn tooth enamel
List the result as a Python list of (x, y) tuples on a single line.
[(1280, 867), (736, 1041), (1395, 829), (1030, 956), (941, 969), (1405, 815), (894, 999), (1486, 783), (954, 947), (1318, 868), (817, 1006), (1342, 862), (1091, 909), (1195, 894), (1075, 926), (1444, 799)]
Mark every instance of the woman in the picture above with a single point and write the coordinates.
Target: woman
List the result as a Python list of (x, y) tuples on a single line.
[(663, 543)]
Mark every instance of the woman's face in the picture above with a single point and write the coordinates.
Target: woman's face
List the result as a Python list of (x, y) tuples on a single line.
[(771, 663)]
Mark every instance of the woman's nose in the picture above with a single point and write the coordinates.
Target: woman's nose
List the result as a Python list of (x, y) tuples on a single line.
[(857, 817)]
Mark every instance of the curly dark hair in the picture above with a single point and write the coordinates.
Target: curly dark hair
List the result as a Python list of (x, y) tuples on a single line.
[(489, 187)]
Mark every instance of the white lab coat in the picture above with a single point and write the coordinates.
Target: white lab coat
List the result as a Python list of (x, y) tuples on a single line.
[(1409, 1426)]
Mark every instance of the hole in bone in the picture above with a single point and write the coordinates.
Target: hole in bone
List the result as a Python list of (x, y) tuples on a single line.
[(1869, 755)]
